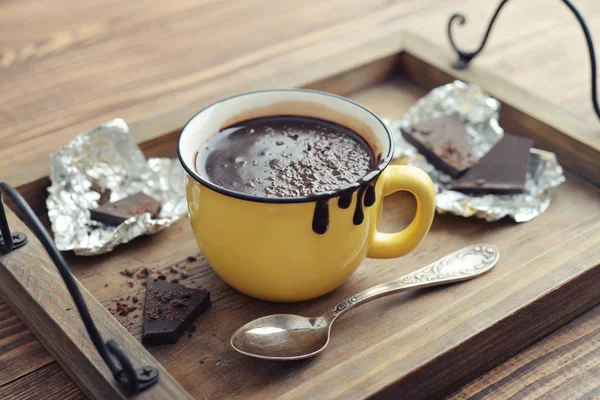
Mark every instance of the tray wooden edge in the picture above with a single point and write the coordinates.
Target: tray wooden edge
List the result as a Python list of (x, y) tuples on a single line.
[(32, 287), (575, 275)]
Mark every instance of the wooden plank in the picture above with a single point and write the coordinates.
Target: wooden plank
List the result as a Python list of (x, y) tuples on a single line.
[(563, 365), (49, 382), (551, 127), (16, 345), (31, 285)]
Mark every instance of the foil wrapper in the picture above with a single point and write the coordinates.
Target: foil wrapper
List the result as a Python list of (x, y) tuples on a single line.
[(480, 114), (106, 158)]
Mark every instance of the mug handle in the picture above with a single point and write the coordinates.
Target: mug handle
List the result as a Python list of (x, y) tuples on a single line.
[(416, 181)]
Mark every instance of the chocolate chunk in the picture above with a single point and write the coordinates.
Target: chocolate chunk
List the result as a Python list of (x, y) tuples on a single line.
[(169, 310), (143, 274), (118, 212), (103, 192), (126, 272), (502, 170), (445, 143)]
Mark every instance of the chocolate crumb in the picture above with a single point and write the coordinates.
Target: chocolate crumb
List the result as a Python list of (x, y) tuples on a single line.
[(183, 275), (191, 259), (144, 283), (68, 309), (143, 274), (130, 284), (131, 308), (173, 270), (161, 277), (106, 285), (135, 299), (122, 309), (127, 272)]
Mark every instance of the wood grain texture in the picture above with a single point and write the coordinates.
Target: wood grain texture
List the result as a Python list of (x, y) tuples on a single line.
[(49, 383), (20, 352), (32, 287), (563, 365)]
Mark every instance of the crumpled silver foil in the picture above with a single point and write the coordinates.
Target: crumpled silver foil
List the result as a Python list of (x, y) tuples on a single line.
[(105, 157), (480, 113)]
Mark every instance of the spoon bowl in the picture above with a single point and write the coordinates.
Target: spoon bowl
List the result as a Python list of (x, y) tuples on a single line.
[(282, 337), (292, 337)]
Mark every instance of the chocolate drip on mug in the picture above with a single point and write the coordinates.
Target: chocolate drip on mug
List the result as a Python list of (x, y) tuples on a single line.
[(321, 217), (370, 195), (345, 200), (359, 215)]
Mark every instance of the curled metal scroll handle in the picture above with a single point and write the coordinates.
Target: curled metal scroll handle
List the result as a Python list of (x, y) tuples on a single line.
[(465, 57), (130, 380)]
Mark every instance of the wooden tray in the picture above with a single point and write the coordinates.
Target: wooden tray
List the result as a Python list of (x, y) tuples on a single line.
[(418, 345)]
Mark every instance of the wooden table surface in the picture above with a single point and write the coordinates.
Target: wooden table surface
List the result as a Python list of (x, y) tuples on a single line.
[(68, 65)]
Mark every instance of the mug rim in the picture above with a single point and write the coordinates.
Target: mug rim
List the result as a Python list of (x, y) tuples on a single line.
[(373, 173)]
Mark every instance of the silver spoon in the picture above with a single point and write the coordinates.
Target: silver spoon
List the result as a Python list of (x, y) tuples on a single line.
[(292, 337)]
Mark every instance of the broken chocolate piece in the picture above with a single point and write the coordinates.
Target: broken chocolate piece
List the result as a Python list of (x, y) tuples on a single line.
[(118, 212), (126, 272), (503, 170), (445, 143), (103, 192), (143, 274), (169, 310)]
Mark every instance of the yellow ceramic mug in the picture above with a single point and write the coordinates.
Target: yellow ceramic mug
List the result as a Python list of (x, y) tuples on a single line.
[(294, 249)]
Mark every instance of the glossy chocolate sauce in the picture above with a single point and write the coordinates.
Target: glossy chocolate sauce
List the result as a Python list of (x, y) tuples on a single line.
[(289, 156)]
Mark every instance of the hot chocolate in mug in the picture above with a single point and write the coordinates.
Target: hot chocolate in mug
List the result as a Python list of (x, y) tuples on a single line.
[(299, 248)]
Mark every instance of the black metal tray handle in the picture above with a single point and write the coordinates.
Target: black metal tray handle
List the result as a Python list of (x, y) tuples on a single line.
[(465, 57), (130, 380)]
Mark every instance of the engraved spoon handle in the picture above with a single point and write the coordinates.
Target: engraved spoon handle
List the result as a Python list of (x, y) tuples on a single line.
[(466, 263)]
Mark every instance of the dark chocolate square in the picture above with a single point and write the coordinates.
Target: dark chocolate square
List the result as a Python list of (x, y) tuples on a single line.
[(118, 212), (502, 170), (445, 143), (169, 309)]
